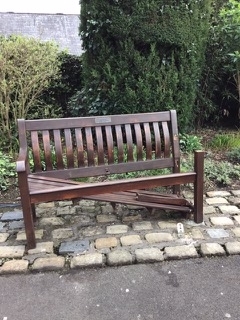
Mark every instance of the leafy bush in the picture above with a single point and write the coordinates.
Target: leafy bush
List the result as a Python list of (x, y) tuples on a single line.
[(234, 155), (7, 170), (221, 172), (27, 67), (190, 143), (143, 56), (61, 91), (219, 91)]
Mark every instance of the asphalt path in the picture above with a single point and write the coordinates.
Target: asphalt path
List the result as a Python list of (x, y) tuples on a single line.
[(180, 290)]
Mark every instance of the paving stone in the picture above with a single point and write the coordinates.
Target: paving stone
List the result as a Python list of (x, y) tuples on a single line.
[(88, 209), (42, 247), (229, 209), (158, 237), (181, 252), (235, 192), (110, 242), (142, 225), (4, 236), (78, 246), (12, 215), (108, 208), (46, 212), (196, 234), (117, 229), (119, 257), (216, 201), (83, 220), (87, 203), (237, 219), (132, 218), (192, 223), (32, 257), (46, 205), (234, 200), (188, 194), (209, 210), (130, 240), (12, 251), (16, 225), (65, 203), (212, 194), (92, 231), (48, 264), (14, 266), (221, 221), (21, 235), (217, 233), (149, 255), (68, 210), (62, 233), (2, 226), (53, 221), (233, 247), (211, 249), (106, 218), (236, 231), (167, 225), (88, 260)]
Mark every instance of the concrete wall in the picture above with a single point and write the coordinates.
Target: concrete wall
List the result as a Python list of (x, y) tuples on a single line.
[(63, 28)]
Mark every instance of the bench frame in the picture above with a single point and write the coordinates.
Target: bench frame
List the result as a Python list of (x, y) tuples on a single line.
[(99, 137)]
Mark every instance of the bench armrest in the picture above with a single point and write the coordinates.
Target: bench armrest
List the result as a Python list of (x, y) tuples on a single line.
[(22, 161)]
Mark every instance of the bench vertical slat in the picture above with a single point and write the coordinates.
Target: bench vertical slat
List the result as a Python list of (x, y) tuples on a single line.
[(157, 139), (119, 137), (109, 138), (47, 149), (100, 149), (166, 136), (58, 149), (139, 141), (69, 148), (129, 138), (90, 148), (175, 147), (80, 151), (36, 151), (148, 139)]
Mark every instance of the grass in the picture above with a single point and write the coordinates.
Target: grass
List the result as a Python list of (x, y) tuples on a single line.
[(225, 142)]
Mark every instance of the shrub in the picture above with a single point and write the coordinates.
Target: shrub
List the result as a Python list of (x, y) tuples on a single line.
[(61, 91), (190, 143), (234, 155), (27, 66), (7, 170), (143, 56), (221, 172)]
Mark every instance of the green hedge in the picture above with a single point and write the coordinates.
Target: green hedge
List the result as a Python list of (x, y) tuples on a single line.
[(143, 55)]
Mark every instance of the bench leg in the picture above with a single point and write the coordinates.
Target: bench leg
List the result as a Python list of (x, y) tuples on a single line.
[(34, 212), (29, 216), (198, 186)]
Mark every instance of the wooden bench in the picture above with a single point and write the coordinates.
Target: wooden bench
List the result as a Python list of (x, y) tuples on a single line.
[(63, 150)]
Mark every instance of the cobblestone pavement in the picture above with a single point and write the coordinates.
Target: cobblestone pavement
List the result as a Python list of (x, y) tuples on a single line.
[(93, 234)]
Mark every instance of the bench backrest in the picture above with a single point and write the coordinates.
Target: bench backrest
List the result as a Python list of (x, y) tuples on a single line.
[(92, 146)]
